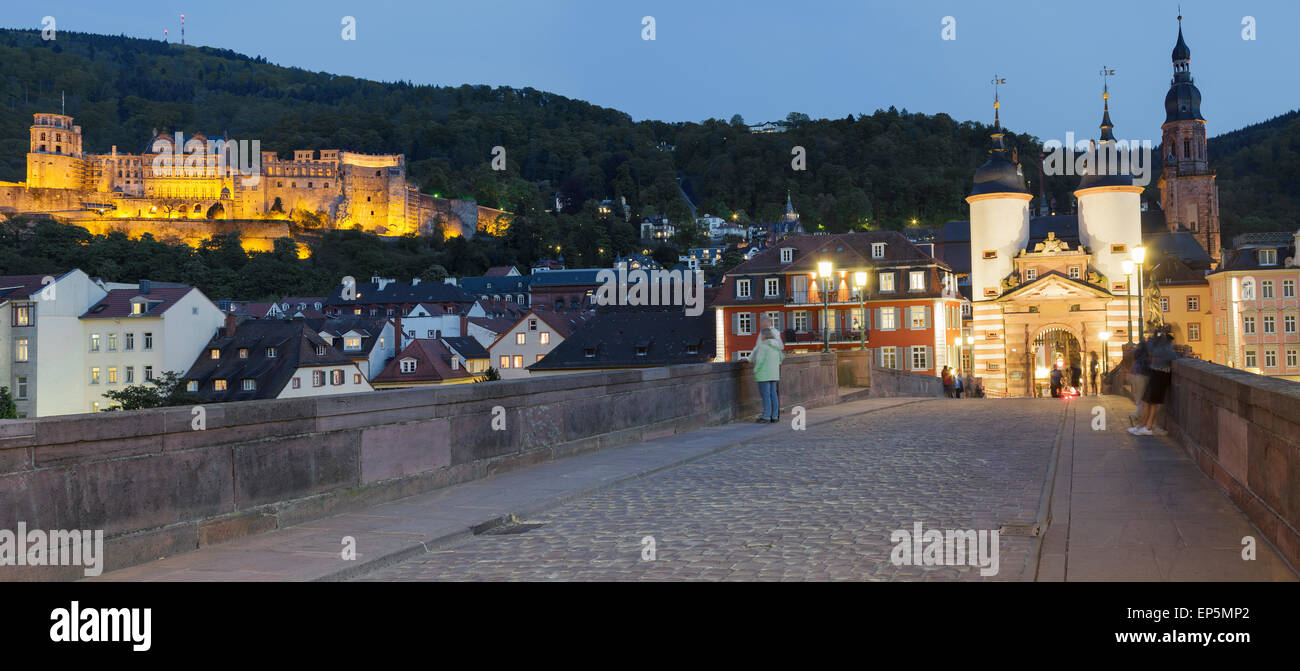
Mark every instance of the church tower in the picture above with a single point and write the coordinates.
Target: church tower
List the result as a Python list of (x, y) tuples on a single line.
[(1188, 193), (1110, 206), (999, 218)]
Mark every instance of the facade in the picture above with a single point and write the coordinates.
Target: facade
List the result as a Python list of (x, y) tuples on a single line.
[(369, 343), (1256, 309), (270, 358), (423, 363), (912, 305), (564, 289), (530, 339), (40, 338), (131, 336)]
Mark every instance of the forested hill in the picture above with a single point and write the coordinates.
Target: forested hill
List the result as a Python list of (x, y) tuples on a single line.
[(886, 168)]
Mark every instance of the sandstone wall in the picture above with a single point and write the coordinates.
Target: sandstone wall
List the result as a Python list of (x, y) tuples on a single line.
[(156, 487), (1243, 430)]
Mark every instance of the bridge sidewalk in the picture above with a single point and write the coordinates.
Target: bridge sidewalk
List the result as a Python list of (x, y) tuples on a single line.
[(1125, 507), (398, 530)]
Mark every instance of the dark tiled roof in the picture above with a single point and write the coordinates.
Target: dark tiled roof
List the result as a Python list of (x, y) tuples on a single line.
[(432, 364), (496, 325), (402, 292), (845, 250), (295, 344), (1248, 258), (21, 287), (564, 323), (614, 335), (1065, 226), (498, 271), (117, 304), (550, 278), (1180, 245), (466, 346), (499, 285), (368, 327), (1169, 270)]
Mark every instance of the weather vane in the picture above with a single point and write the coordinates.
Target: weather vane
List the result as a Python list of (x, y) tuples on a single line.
[(1106, 74)]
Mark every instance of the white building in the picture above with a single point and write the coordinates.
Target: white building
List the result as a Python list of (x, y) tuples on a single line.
[(530, 339)]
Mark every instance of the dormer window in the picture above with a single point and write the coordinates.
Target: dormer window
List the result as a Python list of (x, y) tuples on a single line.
[(1031, 274), (270, 353), (641, 350), (352, 342), (743, 289), (214, 353), (1268, 257), (455, 363), (589, 352), (408, 365), (787, 254), (320, 350), (243, 352), (877, 250)]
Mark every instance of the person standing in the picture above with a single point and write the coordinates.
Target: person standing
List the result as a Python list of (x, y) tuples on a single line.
[(957, 386), (1141, 374), (947, 381), (767, 357), (1161, 355)]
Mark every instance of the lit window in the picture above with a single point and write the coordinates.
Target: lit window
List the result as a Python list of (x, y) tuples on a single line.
[(112, 374), (219, 385), (1193, 303), (94, 375), (336, 377), (504, 361), (214, 353), (886, 282), (318, 378), (888, 318), (916, 280), (521, 338), (519, 361), (352, 342), (544, 338), (20, 349), (94, 342), (1193, 332), (192, 386)]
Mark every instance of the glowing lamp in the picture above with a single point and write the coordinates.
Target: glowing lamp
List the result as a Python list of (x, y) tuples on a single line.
[(1139, 254)]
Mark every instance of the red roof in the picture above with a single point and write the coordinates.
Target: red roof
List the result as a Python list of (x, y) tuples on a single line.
[(432, 364), (498, 271), (117, 304)]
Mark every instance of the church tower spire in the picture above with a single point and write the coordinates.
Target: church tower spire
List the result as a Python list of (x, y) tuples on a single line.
[(1189, 194)]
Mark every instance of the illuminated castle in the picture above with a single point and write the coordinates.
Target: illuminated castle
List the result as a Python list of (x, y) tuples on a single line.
[(339, 189)]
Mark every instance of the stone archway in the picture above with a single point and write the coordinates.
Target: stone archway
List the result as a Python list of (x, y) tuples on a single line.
[(1057, 344)]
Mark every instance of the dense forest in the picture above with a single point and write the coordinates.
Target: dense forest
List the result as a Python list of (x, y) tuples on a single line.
[(885, 169)]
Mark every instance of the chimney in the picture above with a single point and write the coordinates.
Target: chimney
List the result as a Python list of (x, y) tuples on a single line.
[(232, 322), (144, 286)]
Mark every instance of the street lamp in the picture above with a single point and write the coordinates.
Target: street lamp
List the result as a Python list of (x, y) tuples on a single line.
[(824, 272), (1140, 255), (1105, 352), (1127, 265), (860, 279)]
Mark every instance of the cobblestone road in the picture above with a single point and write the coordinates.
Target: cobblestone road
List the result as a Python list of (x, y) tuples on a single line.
[(811, 505)]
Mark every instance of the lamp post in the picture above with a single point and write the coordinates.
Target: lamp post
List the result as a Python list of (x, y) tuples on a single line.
[(860, 279), (824, 273), (1127, 265), (970, 344), (1140, 255), (1105, 354)]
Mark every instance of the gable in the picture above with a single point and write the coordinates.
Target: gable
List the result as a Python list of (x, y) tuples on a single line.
[(1053, 286)]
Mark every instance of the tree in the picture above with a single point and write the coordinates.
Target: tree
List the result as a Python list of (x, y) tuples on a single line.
[(488, 375), (160, 392), (8, 409), (434, 273)]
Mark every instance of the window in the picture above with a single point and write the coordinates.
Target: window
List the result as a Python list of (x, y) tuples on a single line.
[(589, 352), (1119, 249), (94, 342), (112, 342), (917, 317), (271, 353), (1248, 325), (1031, 274), (1193, 303), (990, 254), (544, 338), (352, 343), (886, 282), (1268, 257), (20, 350), (888, 319), (532, 324), (519, 361), (1270, 324), (877, 250), (318, 378), (775, 318), (94, 375), (1288, 324), (504, 361), (1164, 304), (1270, 358), (787, 254), (800, 321), (916, 280), (243, 352), (148, 341), (1251, 361), (21, 383), (1291, 356), (1288, 288), (192, 386), (148, 373), (889, 357), (249, 384), (214, 353), (1266, 289), (130, 341), (771, 286), (744, 323), (742, 289), (297, 383), (356, 377), (218, 385), (320, 350), (130, 374), (1074, 272), (408, 365), (1194, 331), (455, 363), (1218, 326), (336, 377), (521, 338), (920, 357), (112, 374)]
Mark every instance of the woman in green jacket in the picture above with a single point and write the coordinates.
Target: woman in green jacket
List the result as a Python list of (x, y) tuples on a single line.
[(767, 357)]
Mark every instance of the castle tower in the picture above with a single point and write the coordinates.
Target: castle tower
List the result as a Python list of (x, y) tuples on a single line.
[(999, 217), (1188, 193), (54, 158), (1110, 206)]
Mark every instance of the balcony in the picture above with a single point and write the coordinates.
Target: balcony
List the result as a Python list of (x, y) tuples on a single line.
[(814, 297), (814, 337)]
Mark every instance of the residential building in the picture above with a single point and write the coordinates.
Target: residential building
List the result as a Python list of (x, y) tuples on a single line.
[(270, 358), (531, 338), (1256, 309), (424, 362), (564, 289), (624, 337), (382, 297), (369, 343)]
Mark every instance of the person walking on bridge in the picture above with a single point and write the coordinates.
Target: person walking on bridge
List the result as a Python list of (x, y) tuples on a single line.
[(767, 357)]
